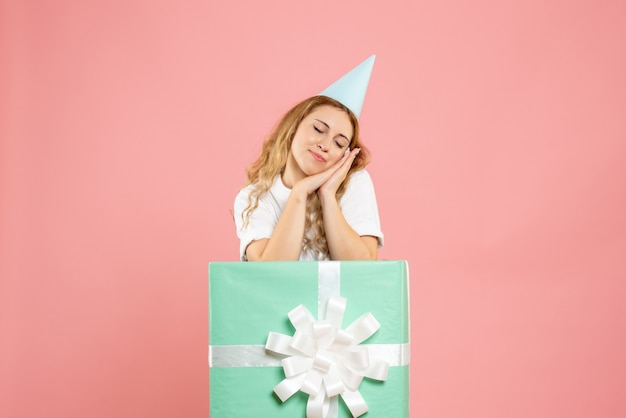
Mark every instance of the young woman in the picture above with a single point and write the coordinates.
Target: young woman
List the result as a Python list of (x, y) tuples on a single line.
[(308, 196)]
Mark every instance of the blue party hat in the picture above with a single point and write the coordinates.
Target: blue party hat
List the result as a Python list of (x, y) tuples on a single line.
[(351, 88)]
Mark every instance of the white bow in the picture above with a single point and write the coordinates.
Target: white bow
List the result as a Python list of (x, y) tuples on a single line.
[(323, 360)]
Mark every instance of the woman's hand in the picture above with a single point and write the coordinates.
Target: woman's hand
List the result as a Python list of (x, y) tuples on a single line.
[(329, 188)]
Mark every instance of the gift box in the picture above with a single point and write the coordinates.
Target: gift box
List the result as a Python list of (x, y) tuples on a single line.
[(263, 315)]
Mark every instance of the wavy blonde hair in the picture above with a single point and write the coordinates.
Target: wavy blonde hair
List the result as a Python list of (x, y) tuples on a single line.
[(273, 160)]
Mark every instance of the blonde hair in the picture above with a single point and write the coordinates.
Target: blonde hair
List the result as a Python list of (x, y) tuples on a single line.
[(273, 160)]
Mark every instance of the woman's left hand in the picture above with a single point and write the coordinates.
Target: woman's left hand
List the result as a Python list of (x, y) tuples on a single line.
[(330, 187)]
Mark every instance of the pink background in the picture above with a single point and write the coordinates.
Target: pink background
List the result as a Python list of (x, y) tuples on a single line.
[(499, 140)]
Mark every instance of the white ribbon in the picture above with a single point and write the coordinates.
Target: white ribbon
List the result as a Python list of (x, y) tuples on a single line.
[(323, 360), (256, 356)]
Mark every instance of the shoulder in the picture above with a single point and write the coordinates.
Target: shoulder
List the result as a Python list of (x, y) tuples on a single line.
[(242, 196), (275, 197), (360, 187), (360, 179), (245, 191)]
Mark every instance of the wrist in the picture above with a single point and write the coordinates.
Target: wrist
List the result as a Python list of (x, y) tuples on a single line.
[(327, 196), (299, 192)]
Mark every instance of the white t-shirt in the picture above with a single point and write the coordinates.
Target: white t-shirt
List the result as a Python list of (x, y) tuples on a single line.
[(358, 205)]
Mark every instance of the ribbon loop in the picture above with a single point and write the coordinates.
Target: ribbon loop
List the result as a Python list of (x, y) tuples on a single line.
[(304, 343), (333, 383), (312, 383), (301, 318), (378, 370), (287, 387), (335, 310), (363, 327), (323, 361), (296, 365), (317, 406), (356, 357), (355, 403), (279, 343), (343, 339)]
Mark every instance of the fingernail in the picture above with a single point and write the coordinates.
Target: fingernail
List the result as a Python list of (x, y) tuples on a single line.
[(357, 151)]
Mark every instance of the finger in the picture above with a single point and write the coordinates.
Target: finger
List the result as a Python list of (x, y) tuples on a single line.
[(341, 172), (349, 158), (343, 159)]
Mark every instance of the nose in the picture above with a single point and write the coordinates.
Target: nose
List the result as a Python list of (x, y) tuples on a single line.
[(323, 144)]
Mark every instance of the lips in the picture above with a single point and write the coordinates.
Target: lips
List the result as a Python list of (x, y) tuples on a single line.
[(318, 157)]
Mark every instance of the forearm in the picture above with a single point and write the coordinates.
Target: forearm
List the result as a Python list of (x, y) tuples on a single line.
[(343, 242), (285, 243)]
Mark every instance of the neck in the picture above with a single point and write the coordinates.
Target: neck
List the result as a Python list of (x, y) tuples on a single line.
[(292, 173)]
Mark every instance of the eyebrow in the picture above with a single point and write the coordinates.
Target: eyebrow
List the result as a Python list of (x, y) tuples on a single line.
[(327, 126)]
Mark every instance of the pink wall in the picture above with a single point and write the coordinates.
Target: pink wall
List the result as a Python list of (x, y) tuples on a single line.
[(499, 144)]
